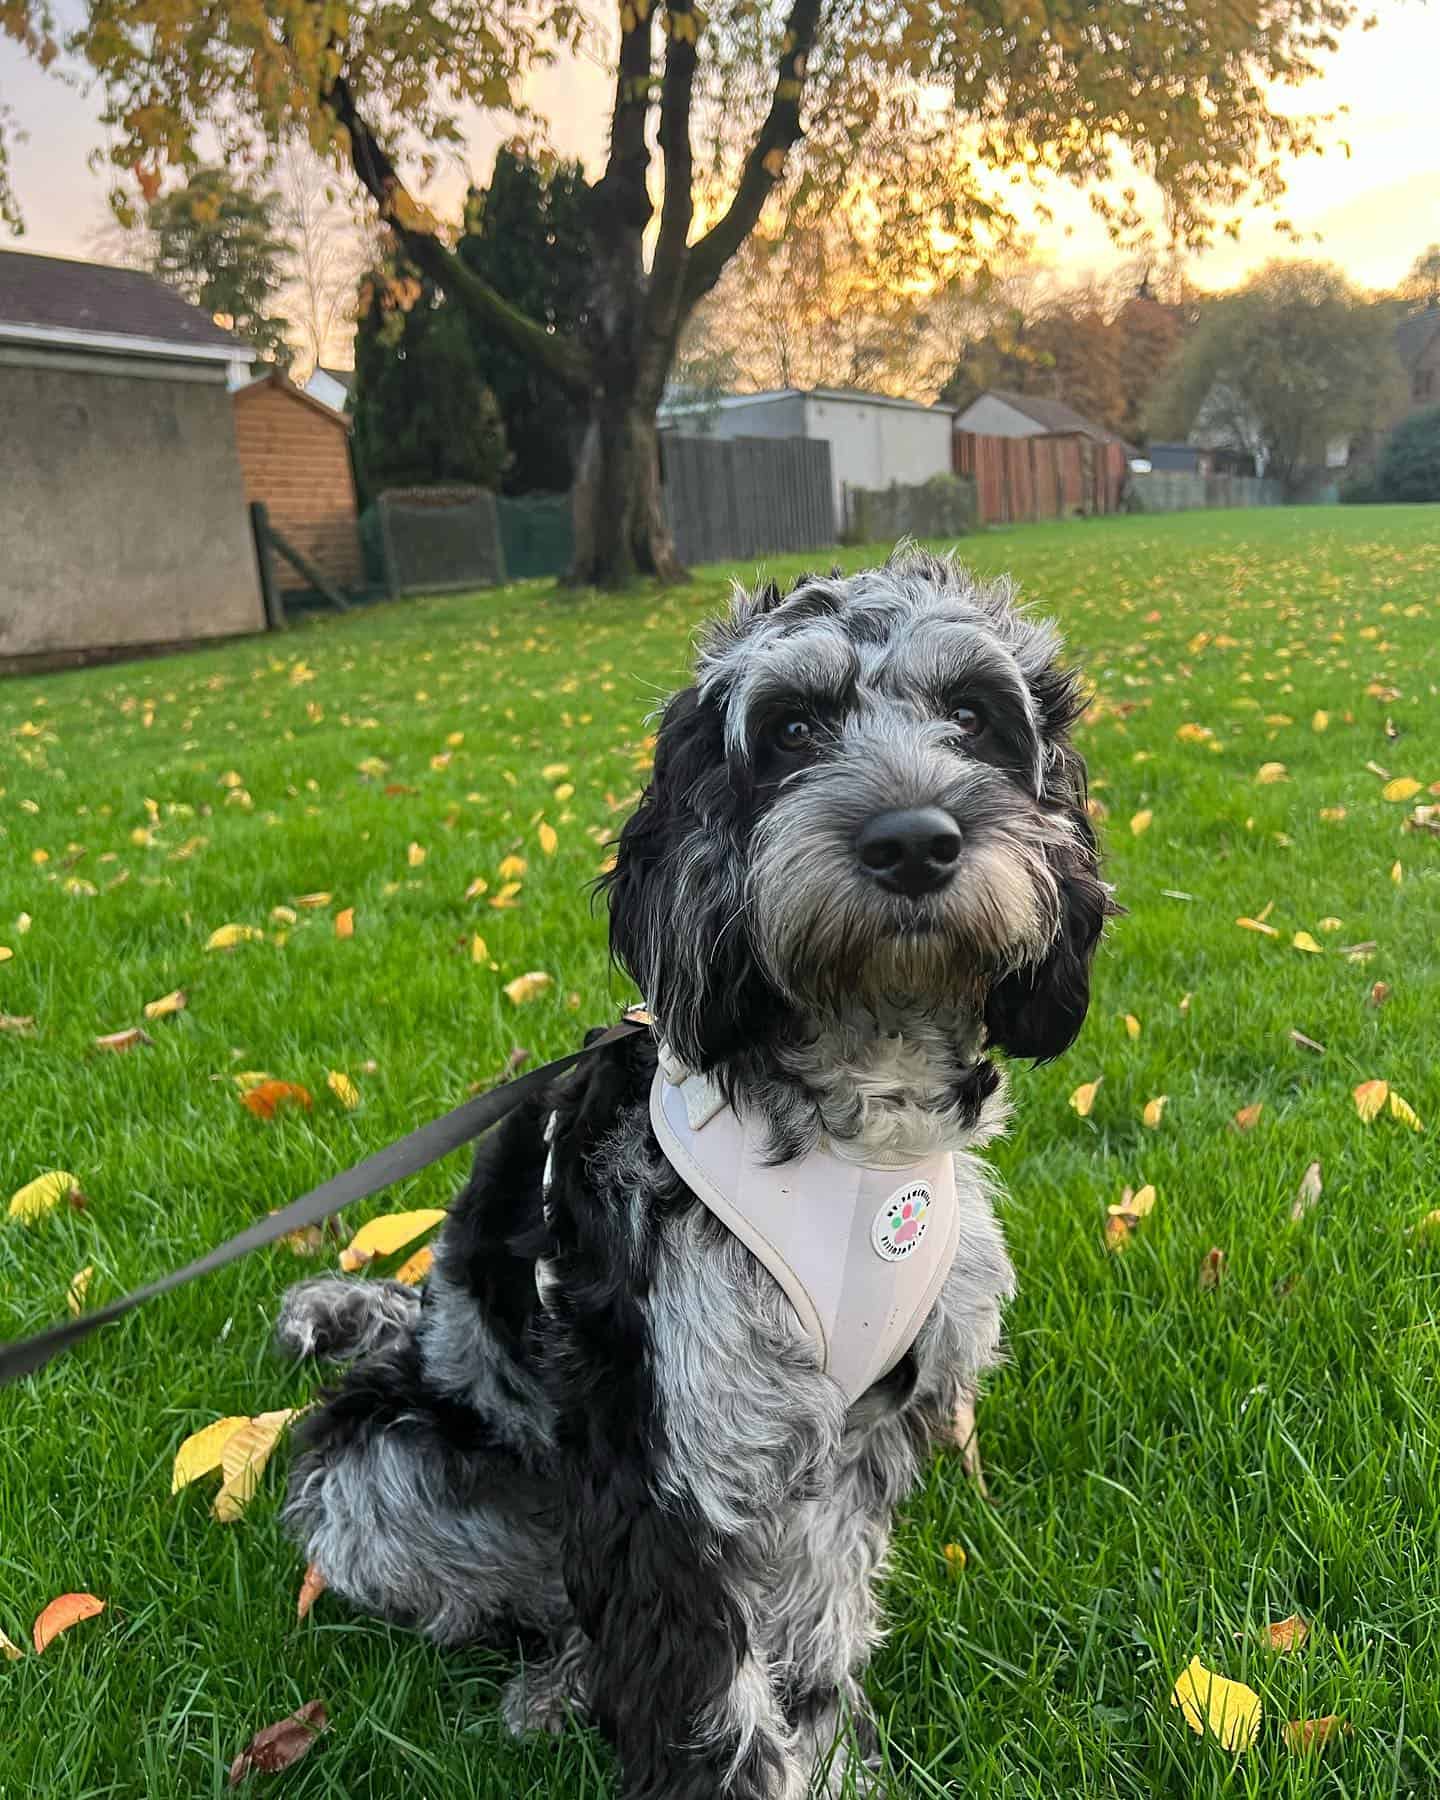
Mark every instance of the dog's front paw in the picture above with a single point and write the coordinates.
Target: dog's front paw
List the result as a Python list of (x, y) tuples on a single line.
[(545, 1697), (336, 1318)]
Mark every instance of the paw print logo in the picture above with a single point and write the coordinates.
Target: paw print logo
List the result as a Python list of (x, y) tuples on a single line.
[(902, 1222)]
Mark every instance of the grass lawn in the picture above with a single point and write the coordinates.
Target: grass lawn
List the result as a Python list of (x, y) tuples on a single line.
[(1172, 1466)]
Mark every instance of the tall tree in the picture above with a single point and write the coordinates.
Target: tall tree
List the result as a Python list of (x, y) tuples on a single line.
[(1421, 286), (221, 242), (330, 252), (527, 236), (1282, 367), (863, 102)]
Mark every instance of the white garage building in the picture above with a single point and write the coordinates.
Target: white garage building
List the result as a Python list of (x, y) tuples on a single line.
[(874, 439)]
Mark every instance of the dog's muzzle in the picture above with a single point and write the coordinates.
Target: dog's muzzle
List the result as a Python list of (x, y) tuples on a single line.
[(912, 852)]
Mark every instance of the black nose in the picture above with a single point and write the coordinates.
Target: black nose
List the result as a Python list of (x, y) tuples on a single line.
[(911, 852)]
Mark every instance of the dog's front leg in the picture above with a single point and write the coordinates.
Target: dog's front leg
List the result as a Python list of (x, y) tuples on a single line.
[(693, 1419)]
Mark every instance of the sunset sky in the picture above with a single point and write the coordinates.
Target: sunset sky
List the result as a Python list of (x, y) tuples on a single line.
[(1375, 210)]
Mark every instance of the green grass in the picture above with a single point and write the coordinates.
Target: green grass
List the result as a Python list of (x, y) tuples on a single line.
[(1171, 1467)]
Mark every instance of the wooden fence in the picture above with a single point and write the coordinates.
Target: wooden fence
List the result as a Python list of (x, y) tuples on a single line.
[(732, 498), (1050, 476), (1178, 490)]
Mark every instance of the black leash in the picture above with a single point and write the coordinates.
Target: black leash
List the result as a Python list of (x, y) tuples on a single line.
[(411, 1153)]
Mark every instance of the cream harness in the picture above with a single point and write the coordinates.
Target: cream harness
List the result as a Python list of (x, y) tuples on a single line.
[(861, 1253)]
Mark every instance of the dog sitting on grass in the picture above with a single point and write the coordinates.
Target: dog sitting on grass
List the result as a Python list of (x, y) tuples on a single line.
[(654, 1408)]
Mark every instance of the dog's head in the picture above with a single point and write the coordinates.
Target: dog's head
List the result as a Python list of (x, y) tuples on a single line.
[(868, 797)]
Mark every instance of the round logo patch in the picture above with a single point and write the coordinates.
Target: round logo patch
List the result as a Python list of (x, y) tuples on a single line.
[(901, 1222)]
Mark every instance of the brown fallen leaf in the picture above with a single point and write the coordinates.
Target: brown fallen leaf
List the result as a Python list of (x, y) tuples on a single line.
[(61, 1614), (1308, 1193), (1303, 1735), (311, 1588), (267, 1097), (280, 1745), (1287, 1634), (1379, 994), (22, 1025), (1212, 1267), (968, 1442), (1306, 1043), (117, 1041), (1248, 1117)]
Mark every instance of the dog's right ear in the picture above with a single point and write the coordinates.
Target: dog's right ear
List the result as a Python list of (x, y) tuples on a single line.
[(678, 917)]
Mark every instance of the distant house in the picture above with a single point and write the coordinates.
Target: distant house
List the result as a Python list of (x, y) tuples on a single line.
[(1199, 459), (996, 413), (332, 386), (122, 506), (295, 456), (874, 439), (1417, 343)]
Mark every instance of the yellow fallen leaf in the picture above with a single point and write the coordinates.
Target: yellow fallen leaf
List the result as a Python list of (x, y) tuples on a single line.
[(512, 868), (343, 1088), (6, 953), (415, 1268), (1229, 1710), (1084, 1096), (232, 778), (1370, 1097), (61, 1614), (477, 887), (203, 1451), (1155, 1110), (1303, 1735), (955, 1558), (313, 902), (528, 987), (415, 855), (1183, 1003), (386, 1235), (1397, 874), (1271, 772), (78, 1288), (166, 1006), (1132, 1025), (1404, 1112), (1431, 1222), (243, 1461), (549, 838), (1190, 733), (1403, 787), (1302, 940), (245, 1079), (228, 936), (345, 922), (284, 915), (479, 949), (1138, 1205), (42, 1195), (1331, 923), (11, 1652), (565, 791), (1287, 1634), (553, 771), (1257, 925), (1248, 1117), (1141, 821), (1320, 720), (505, 898)]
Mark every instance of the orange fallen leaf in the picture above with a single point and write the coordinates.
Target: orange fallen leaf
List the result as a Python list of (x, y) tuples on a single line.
[(1302, 1735), (311, 1588), (268, 1097), (118, 1041), (280, 1745), (415, 1268), (61, 1614), (1370, 1097), (1257, 925), (1248, 1117), (1084, 1096), (1287, 1634), (166, 1006), (1379, 994), (1117, 1231), (345, 922)]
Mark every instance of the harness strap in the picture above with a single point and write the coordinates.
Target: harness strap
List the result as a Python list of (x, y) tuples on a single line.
[(407, 1156)]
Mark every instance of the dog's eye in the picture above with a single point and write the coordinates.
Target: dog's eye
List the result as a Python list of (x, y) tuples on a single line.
[(794, 734), (967, 722)]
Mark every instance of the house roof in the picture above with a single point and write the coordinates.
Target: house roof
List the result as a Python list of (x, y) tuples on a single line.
[(345, 377), (1050, 415), (282, 384), (859, 396), (94, 306), (1415, 333)]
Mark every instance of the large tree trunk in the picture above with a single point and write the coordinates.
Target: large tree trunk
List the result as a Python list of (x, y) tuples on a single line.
[(620, 526)]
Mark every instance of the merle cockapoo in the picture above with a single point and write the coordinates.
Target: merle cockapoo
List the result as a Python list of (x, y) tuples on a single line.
[(863, 863)]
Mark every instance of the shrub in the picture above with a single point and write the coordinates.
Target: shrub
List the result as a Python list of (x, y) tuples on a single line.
[(1410, 462), (1360, 490)]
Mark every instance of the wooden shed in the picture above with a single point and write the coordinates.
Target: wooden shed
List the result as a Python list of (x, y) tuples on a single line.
[(295, 456)]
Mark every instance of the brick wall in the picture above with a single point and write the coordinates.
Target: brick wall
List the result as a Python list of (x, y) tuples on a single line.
[(295, 456)]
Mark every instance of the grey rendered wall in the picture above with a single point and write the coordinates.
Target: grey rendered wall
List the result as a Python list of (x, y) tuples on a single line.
[(782, 417), (122, 508), (989, 417)]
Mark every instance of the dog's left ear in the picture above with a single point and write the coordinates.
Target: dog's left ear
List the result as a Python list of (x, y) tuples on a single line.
[(1037, 1011)]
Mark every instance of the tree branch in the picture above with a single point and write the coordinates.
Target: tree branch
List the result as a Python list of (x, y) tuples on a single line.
[(677, 212), (622, 191), (766, 162), (560, 358)]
